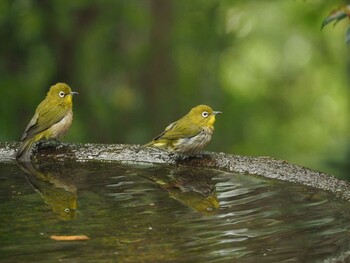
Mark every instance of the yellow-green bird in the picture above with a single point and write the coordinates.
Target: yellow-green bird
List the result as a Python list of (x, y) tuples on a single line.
[(51, 120), (188, 135)]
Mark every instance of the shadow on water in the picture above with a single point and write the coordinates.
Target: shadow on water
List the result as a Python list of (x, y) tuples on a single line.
[(157, 213)]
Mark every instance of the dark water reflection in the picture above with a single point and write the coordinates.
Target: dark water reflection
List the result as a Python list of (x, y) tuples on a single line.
[(146, 213)]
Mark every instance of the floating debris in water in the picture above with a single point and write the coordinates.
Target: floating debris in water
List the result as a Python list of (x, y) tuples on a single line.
[(70, 238)]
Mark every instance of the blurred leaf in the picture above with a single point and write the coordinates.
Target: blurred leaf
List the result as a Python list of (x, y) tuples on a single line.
[(337, 15)]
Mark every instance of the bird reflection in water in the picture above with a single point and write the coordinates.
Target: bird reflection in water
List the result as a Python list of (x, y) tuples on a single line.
[(52, 181), (192, 187)]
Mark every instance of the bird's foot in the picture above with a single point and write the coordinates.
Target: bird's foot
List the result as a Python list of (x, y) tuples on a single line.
[(201, 155), (62, 145), (185, 158), (51, 144), (179, 157)]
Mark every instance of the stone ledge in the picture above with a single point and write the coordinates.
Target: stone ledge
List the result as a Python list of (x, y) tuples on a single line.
[(263, 166)]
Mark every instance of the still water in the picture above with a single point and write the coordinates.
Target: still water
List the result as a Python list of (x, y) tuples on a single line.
[(159, 213)]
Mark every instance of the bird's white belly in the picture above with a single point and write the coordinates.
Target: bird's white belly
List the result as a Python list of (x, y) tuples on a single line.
[(58, 130), (193, 145)]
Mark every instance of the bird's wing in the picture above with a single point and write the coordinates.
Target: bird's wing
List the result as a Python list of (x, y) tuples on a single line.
[(169, 127), (30, 124), (43, 119), (175, 131)]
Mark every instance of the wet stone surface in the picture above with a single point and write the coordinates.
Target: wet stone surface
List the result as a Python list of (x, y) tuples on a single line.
[(263, 166)]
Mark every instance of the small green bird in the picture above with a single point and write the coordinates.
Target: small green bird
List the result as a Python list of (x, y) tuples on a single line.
[(51, 120), (188, 135)]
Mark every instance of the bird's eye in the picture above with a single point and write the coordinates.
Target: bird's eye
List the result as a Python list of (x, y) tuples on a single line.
[(61, 94), (205, 114)]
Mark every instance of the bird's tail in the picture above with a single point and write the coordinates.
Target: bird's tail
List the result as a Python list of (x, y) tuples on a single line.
[(160, 144), (24, 150), (150, 144), (141, 147)]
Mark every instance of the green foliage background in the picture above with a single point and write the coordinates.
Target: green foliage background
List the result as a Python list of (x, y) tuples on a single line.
[(282, 84)]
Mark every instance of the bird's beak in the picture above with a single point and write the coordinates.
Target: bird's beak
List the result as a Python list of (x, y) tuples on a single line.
[(73, 92), (217, 112)]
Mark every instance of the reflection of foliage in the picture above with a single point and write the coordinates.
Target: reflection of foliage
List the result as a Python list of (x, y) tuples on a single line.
[(337, 15), (51, 182)]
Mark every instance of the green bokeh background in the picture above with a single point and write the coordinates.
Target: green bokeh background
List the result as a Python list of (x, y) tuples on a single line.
[(282, 83)]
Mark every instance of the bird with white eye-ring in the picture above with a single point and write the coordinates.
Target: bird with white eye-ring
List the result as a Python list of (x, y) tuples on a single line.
[(52, 119), (205, 114), (188, 135)]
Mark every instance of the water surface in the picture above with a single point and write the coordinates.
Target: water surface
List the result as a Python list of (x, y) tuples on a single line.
[(160, 213)]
